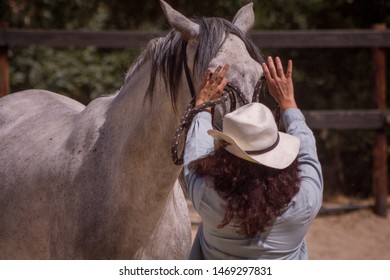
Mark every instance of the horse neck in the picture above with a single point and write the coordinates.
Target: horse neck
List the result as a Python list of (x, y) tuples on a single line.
[(143, 134)]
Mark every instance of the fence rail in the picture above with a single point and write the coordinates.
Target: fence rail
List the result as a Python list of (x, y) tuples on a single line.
[(377, 39), (347, 119), (344, 38)]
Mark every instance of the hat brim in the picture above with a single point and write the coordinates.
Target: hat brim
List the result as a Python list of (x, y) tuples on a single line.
[(279, 158)]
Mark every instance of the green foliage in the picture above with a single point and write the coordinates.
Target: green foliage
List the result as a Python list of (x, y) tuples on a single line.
[(321, 14), (82, 74), (324, 78)]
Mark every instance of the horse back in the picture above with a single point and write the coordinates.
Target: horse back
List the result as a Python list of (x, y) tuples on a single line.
[(33, 127), (32, 103)]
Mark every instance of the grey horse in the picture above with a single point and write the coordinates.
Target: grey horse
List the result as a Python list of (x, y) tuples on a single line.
[(97, 181)]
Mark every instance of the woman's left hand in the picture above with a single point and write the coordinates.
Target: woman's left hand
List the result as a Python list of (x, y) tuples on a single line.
[(212, 87)]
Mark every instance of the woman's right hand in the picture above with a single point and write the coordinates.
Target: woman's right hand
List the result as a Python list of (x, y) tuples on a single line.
[(280, 84)]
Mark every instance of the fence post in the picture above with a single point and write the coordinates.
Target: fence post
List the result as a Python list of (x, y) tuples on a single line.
[(379, 150), (4, 67)]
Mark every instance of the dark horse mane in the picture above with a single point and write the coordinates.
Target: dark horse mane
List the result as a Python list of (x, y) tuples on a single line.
[(169, 53)]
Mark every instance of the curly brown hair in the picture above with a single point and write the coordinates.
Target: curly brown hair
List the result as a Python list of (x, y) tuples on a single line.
[(254, 194)]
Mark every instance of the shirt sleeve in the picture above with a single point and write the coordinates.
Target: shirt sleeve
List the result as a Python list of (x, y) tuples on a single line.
[(198, 144), (309, 165)]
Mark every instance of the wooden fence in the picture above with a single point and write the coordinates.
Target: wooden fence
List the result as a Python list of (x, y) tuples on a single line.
[(377, 39)]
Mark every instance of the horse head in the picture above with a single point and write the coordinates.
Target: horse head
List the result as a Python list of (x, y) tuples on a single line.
[(210, 42)]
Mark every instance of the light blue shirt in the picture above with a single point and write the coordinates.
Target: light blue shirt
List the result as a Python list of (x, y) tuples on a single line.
[(285, 239)]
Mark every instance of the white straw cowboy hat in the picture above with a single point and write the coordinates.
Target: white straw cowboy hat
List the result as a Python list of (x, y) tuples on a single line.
[(250, 133)]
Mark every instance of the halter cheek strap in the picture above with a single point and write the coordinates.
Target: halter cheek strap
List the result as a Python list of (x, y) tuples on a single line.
[(188, 76)]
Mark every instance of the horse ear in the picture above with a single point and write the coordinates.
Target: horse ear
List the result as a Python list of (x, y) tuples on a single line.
[(188, 28), (245, 18)]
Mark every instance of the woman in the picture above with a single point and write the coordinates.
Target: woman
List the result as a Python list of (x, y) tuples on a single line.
[(257, 190)]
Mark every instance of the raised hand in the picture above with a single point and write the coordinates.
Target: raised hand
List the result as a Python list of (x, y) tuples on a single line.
[(212, 86), (280, 84)]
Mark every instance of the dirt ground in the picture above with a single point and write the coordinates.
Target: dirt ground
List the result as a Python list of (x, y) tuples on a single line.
[(344, 235), (355, 235)]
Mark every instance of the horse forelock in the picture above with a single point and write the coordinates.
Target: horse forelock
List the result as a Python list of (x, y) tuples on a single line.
[(212, 33), (169, 53)]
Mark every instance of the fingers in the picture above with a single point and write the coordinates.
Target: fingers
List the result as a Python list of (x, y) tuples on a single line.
[(271, 67), (289, 69), (224, 70), (220, 79), (206, 78), (279, 67), (223, 83), (216, 73), (266, 72), (274, 69), (212, 86), (219, 74), (280, 84)]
